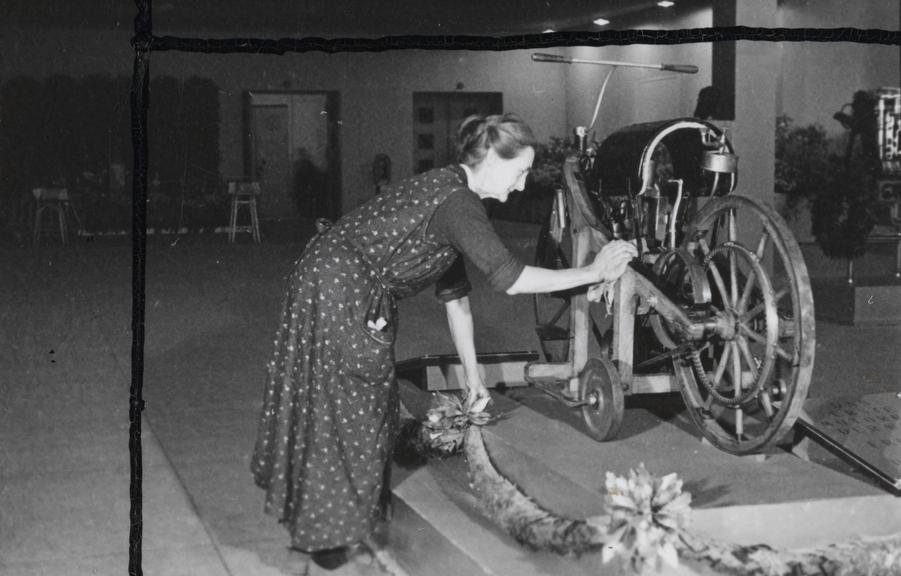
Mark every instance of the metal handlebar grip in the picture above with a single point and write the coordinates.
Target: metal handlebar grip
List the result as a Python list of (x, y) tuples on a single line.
[(551, 58), (684, 68)]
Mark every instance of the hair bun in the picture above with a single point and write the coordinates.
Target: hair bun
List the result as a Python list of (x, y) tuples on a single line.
[(470, 127), (507, 134)]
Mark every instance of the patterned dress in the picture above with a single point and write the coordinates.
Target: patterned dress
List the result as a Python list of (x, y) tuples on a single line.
[(330, 407)]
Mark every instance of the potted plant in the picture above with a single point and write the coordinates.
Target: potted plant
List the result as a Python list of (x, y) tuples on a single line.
[(841, 191), (839, 182)]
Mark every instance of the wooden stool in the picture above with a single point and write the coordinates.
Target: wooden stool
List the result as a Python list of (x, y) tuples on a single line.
[(244, 194), (55, 200)]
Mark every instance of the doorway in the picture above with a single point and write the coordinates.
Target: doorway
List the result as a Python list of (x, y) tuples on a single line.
[(291, 148), (436, 116)]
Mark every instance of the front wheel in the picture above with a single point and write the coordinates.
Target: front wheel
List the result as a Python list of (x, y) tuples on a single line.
[(602, 391)]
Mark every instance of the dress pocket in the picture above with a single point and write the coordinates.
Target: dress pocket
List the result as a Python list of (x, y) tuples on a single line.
[(383, 334), (369, 354), (378, 321)]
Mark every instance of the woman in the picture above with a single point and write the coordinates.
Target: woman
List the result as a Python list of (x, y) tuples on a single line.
[(330, 410)]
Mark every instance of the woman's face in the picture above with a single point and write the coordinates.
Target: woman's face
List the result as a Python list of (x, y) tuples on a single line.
[(502, 176)]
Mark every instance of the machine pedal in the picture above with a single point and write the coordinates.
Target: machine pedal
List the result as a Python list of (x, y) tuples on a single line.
[(558, 390)]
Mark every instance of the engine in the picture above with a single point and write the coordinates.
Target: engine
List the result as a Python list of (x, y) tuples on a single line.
[(645, 180)]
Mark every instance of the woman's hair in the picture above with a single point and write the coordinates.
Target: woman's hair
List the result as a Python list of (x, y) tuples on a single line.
[(507, 134)]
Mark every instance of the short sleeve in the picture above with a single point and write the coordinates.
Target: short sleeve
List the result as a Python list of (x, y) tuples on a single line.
[(461, 221), (453, 284)]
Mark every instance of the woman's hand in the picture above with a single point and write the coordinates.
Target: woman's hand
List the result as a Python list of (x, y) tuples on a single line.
[(611, 261), (477, 397), (459, 317)]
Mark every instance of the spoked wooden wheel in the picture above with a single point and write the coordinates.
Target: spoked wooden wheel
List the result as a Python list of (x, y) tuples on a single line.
[(600, 388), (745, 387), (552, 309)]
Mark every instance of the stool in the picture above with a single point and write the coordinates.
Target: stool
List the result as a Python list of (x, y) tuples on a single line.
[(54, 200), (244, 194)]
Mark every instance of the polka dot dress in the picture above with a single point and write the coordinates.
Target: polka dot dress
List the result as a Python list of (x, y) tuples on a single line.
[(330, 407)]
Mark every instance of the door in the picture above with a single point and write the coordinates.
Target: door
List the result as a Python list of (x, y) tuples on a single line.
[(309, 184), (293, 153), (436, 117), (271, 162)]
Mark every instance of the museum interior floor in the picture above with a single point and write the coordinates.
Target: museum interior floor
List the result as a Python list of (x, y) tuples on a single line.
[(211, 311)]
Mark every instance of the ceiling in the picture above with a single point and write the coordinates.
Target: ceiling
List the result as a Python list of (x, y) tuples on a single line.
[(346, 18)]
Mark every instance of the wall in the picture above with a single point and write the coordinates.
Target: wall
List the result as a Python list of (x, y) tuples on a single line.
[(813, 81), (42, 53), (756, 86), (637, 95), (375, 88), (376, 93), (817, 78), (808, 81)]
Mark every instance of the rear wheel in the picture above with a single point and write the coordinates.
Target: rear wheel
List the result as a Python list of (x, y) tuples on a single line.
[(745, 387)]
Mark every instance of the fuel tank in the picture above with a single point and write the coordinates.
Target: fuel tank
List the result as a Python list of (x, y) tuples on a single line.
[(637, 157)]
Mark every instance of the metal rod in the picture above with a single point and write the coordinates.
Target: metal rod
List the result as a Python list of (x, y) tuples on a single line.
[(669, 354), (675, 214), (597, 106), (557, 395), (683, 68), (808, 429)]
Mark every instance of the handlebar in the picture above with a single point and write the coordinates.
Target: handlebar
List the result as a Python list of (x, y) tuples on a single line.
[(539, 57), (681, 68)]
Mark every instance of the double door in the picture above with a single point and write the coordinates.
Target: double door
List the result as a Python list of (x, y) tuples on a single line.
[(436, 117)]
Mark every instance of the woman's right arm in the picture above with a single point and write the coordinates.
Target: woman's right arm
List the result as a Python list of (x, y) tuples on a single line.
[(608, 265), (462, 222)]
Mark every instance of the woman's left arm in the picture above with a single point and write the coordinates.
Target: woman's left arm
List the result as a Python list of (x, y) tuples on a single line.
[(459, 319)]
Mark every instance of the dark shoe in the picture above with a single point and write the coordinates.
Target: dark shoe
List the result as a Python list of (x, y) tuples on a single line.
[(331, 558)]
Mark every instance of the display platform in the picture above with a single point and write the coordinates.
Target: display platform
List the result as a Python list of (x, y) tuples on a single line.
[(871, 301), (782, 501)]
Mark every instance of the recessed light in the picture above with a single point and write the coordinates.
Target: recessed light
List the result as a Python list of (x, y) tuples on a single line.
[(601, 21), (665, 3)]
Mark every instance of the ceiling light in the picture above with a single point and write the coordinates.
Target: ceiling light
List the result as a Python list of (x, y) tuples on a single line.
[(601, 21), (548, 31), (665, 3)]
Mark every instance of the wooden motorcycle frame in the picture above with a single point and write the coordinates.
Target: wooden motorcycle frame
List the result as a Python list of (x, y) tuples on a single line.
[(719, 296)]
